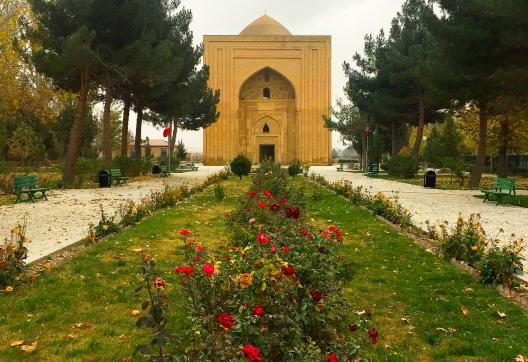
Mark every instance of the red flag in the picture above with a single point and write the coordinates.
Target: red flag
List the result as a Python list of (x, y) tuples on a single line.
[(166, 132), (367, 133)]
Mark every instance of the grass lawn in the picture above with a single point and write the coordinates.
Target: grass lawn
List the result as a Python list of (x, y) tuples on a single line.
[(81, 310)]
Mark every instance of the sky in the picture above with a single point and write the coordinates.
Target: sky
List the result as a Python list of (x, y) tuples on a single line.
[(347, 21)]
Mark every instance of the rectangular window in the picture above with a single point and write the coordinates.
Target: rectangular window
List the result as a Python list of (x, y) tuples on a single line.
[(164, 152)]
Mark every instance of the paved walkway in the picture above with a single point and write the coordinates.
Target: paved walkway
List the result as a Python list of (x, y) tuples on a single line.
[(441, 205), (63, 220)]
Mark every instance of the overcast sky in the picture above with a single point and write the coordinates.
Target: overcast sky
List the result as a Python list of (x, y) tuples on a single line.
[(347, 21)]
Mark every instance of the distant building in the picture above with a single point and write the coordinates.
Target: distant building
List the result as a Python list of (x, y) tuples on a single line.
[(157, 148), (274, 89)]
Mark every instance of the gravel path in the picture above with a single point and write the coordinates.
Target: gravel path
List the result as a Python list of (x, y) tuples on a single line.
[(63, 220), (441, 205)]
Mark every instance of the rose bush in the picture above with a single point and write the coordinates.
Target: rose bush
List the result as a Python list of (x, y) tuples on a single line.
[(275, 292)]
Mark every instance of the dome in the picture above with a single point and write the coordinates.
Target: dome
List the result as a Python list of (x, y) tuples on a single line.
[(265, 25)]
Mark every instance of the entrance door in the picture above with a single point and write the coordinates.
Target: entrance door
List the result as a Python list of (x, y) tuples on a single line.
[(267, 153)]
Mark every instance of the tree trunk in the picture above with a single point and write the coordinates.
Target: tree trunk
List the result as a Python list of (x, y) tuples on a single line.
[(124, 129), (74, 142), (107, 139), (363, 152), (421, 124), (137, 140), (394, 145), (502, 170), (476, 172)]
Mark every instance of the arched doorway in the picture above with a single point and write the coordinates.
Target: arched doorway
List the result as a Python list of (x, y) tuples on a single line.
[(267, 117)]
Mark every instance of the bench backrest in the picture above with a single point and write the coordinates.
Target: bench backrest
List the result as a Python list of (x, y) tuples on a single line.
[(504, 184), (163, 168), (22, 182), (116, 172), (374, 167)]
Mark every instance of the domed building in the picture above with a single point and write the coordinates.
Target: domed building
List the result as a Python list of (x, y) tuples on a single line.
[(275, 88)]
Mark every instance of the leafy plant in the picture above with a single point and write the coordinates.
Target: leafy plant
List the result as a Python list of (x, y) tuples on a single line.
[(13, 254), (219, 192), (500, 264), (240, 166), (106, 226), (295, 169), (466, 241)]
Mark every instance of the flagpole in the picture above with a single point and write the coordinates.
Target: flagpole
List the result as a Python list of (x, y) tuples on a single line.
[(170, 134)]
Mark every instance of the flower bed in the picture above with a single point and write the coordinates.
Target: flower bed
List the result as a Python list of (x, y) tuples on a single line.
[(274, 293)]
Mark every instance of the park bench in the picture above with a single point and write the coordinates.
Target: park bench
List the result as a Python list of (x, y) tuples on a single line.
[(341, 168), (164, 171), (373, 170), (27, 185), (117, 177), (499, 188)]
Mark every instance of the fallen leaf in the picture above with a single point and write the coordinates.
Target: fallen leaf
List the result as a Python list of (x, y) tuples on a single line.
[(521, 358), (468, 289), (70, 336), (134, 313), (502, 315), (29, 348), (16, 343), (465, 311), (84, 325), (361, 312), (406, 320)]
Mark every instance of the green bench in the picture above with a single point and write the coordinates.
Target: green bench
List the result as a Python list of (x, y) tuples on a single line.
[(341, 168), (373, 170), (117, 177), (501, 187), (27, 185), (164, 171)]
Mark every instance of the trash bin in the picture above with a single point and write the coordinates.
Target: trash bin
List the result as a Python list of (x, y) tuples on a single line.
[(156, 170), (430, 179), (105, 178)]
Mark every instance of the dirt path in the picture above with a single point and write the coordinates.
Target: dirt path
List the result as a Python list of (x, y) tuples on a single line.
[(64, 219)]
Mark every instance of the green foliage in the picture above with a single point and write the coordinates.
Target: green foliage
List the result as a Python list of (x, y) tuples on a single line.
[(106, 226), (466, 241), (377, 147), (295, 169), (443, 145), (181, 151), (500, 264), (402, 166), (219, 192), (25, 145), (240, 166)]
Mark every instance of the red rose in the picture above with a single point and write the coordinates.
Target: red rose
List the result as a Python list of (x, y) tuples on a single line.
[(327, 234), (262, 238), (353, 327), (332, 357), (253, 193), (185, 270), (285, 249), (199, 249), (283, 200), (226, 320), (234, 248), (292, 213), (274, 249), (185, 232), (373, 333), (252, 353), (316, 295), (197, 259), (288, 270), (208, 269), (263, 205), (258, 311)]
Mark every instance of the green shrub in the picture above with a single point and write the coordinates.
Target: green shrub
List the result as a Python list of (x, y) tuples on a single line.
[(13, 254), (219, 192), (466, 241), (402, 166), (501, 263), (240, 166), (295, 169)]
